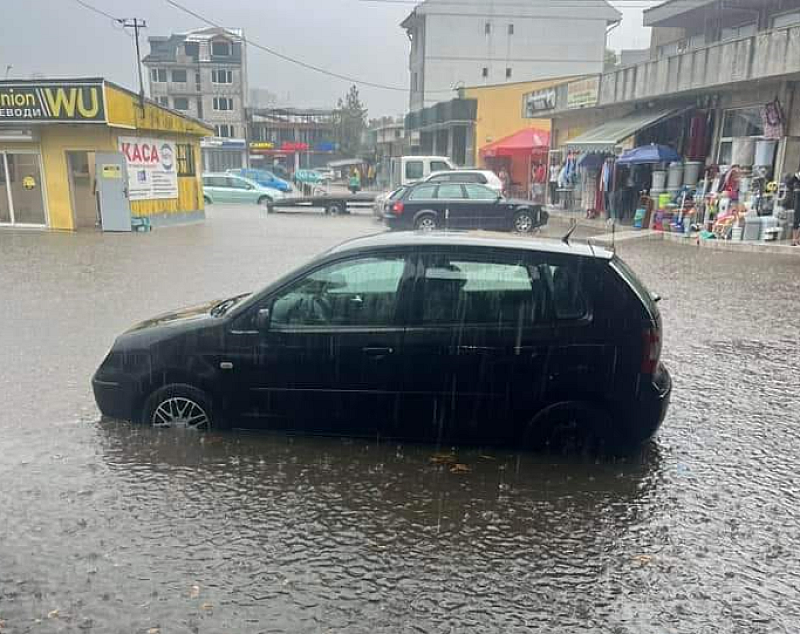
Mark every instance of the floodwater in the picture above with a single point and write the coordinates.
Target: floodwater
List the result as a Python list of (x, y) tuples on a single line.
[(111, 527)]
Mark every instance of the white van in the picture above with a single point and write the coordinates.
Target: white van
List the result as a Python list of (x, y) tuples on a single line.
[(410, 169)]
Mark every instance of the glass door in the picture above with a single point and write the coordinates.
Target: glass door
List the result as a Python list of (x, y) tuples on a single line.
[(21, 189)]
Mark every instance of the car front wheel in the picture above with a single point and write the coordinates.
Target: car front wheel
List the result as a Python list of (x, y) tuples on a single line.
[(524, 221), (178, 406)]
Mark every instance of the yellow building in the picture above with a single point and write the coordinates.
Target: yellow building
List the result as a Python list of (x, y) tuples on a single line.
[(52, 132), (500, 111)]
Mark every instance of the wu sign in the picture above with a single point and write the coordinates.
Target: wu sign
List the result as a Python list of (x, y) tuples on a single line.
[(34, 102)]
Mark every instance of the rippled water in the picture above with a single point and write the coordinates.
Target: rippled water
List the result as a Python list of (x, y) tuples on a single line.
[(109, 527)]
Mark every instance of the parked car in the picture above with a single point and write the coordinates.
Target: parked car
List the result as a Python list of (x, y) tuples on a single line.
[(229, 188), (264, 178), (379, 204), (429, 206), (445, 337), (481, 177)]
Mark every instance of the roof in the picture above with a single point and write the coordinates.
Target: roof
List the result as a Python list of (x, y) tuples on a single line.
[(470, 239), (165, 48), (606, 137), (671, 9), (523, 141)]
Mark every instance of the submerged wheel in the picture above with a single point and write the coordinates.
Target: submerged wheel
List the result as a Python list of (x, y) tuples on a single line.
[(523, 221), (178, 406), (335, 209), (569, 427), (265, 200), (426, 223)]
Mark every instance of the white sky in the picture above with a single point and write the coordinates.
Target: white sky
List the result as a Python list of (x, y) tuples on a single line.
[(364, 40)]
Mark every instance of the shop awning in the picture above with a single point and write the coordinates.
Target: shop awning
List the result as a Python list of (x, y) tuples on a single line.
[(606, 137), (523, 142)]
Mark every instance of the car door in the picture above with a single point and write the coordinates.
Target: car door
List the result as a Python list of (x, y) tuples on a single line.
[(329, 358), (453, 201), (485, 208), (240, 191), (476, 344)]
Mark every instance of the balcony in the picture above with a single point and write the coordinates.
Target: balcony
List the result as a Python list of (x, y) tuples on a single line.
[(767, 54)]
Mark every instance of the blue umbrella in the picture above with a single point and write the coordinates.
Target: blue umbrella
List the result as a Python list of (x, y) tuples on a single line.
[(652, 153)]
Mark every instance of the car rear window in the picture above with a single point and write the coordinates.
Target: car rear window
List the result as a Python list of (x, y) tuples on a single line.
[(638, 287), (439, 166), (397, 193), (423, 192)]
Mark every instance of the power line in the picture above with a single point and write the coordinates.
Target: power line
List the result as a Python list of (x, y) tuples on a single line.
[(287, 58), (88, 6)]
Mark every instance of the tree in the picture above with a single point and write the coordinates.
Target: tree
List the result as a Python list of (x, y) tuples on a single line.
[(350, 120)]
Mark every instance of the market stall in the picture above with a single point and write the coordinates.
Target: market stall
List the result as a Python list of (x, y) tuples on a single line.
[(523, 155)]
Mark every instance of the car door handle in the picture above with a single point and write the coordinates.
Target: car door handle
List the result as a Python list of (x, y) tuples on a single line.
[(377, 351)]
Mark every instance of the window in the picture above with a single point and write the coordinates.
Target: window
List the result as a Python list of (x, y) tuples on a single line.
[(498, 293), (665, 50), (238, 183), (224, 130), (487, 28), (741, 122), (357, 293), (734, 32), (485, 72), (215, 181), (398, 134), (508, 73), (180, 103), (191, 49), (440, 166), (450, 192), (179, 76), (185, 159), (786, 19), (158, 75), (164, 101), (569, 301), (221, 76), (414, 170), (223, 103), (221, 48), (479, 192), (197, 81), (423, 192), (511, 29), (696, 41)]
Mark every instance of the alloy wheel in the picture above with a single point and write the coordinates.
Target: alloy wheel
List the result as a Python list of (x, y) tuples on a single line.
[(180, 412), (523, 223), (426, 224)]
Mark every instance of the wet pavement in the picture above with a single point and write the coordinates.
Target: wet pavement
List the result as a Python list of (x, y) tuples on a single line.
[(112, 527)]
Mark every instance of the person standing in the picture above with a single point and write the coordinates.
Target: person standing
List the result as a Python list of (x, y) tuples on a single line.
[(355, 181), (793, 193), (505, 179)]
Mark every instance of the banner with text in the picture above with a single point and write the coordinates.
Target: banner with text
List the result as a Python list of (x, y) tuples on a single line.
[(32, 102), (152, 170)]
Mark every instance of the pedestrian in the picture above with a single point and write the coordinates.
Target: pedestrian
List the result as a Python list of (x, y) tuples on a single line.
[(793, 194), (355, 181), (505, 179)]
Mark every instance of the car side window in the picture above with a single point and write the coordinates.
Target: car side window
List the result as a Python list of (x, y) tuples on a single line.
[(480, 179), (362, 292), (423, 192), (439, 166), (480, 192), (414, 170), (566, 286), (450, 192), (460, 291)]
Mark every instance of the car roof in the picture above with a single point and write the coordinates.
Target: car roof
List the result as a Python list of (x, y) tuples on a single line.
[(461, 171), (470, 239)]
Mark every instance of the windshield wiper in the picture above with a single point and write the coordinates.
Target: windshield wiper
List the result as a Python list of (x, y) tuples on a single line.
[(222, 307)]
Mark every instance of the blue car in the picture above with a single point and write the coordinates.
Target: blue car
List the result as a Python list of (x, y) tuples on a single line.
[(263, 178)]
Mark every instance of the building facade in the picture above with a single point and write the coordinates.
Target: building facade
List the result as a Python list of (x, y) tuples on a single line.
[(203, 73), (457, 43), (63, 140), (298, 138)]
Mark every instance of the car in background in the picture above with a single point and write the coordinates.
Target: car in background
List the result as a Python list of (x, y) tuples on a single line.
[(221, 187), (264, 178), (380, 203), (481, 177), (508, 341), (430, 206)]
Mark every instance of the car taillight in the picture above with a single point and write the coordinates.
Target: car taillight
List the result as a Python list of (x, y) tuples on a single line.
[(651, 350), (397, 208)]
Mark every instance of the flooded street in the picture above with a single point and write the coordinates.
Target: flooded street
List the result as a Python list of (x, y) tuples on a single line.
[(112, 527)]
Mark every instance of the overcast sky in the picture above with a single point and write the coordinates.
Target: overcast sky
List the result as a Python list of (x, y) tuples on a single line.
[(351, 37)]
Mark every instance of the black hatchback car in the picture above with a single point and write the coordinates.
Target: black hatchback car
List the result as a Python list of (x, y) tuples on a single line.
[(429, 206), (427, 336)]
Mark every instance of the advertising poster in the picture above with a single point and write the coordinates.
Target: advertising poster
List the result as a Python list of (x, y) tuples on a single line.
[(152, 168)]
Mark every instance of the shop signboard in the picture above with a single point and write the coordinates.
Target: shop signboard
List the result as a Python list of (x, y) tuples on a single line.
[(583, 93), (152, 168), (47, 102), (539, 101), (261, 145)]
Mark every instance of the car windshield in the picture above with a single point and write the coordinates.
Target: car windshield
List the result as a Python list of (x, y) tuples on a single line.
[(453, 402)]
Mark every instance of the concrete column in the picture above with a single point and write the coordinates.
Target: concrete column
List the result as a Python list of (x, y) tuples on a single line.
[(450, 133)]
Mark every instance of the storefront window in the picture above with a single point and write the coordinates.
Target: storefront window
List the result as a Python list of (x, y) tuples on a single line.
[(741, 122), (21, 178)]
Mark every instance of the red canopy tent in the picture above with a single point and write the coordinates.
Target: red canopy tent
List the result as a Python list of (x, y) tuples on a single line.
[(518, 152)]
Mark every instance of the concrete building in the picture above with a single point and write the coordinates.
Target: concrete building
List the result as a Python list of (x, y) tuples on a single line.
[(298, 138), (203, 73), (458, 43), (66, 143)]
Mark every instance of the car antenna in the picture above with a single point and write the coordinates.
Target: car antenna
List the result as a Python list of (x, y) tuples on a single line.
[(591, 246), (569, 232)]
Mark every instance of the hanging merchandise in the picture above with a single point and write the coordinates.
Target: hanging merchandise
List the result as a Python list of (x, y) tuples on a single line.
[(772, 119), (698, 136)]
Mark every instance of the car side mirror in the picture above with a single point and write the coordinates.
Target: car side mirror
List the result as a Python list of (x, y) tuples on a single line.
[(262, 319)]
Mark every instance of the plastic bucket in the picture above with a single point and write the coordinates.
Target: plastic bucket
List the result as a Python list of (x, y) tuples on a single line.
[(664, 199), (691, 172), (659, 179), (675, 178)]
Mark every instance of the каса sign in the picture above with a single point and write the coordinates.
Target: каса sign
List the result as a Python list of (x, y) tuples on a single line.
[(152, 170), (33, 102)]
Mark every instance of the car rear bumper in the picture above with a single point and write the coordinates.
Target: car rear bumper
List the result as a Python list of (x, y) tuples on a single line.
[(394, 222), (650, 408)]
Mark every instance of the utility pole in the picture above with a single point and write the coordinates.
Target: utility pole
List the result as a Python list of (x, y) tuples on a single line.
[(136, 24)]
